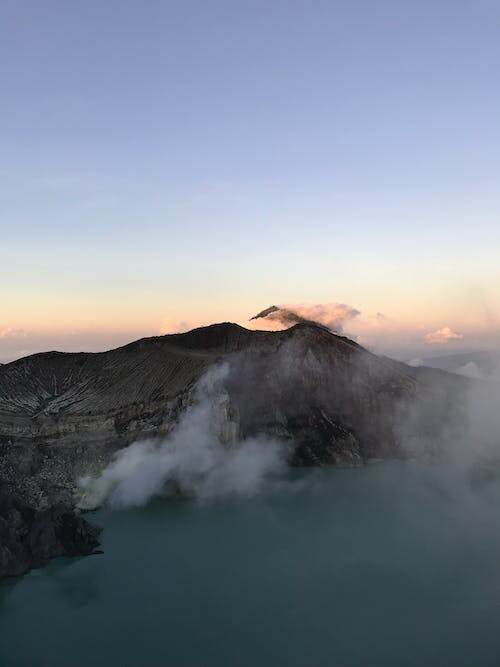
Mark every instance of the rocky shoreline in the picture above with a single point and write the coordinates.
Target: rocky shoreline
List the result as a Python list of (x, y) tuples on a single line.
[(38, 521), (30, 537)]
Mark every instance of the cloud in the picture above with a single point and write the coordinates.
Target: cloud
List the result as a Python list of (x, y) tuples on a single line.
[(331, 315), (442, 336)]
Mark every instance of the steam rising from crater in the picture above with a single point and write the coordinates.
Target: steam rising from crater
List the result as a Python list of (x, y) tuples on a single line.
[(194, 461), (330, 315)]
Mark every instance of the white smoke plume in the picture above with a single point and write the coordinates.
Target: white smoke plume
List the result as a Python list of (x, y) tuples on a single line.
[(456, 420), (192, 461), (330, 315)]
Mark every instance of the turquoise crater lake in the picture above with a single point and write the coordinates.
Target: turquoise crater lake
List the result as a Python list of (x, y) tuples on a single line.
[(396, 564)]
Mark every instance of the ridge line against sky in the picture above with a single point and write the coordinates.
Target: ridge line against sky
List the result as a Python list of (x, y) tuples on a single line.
[(180, 163)]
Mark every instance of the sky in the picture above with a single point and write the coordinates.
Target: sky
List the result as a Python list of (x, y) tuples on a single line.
[(167, 164)]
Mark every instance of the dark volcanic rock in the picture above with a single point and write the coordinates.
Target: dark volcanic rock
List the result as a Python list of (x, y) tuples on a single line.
[(30, 537), (322, 441)]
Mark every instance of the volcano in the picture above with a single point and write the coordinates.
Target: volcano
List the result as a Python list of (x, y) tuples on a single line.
[(63, 415)]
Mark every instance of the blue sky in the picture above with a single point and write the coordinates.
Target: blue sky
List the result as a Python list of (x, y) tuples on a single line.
[(196, 161)]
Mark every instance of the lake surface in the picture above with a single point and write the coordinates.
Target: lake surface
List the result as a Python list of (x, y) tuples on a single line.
[(389, 565)]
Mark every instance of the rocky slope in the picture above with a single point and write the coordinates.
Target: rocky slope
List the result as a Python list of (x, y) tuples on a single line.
[(63, 415), (30, 537)]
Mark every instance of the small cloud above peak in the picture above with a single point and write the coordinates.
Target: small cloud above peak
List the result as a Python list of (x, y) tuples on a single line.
[(442, 336)]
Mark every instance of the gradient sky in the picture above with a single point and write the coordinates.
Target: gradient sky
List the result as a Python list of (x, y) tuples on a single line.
[(168, 164)]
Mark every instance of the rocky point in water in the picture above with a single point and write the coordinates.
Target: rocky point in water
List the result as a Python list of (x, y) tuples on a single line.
[(29, 537)]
